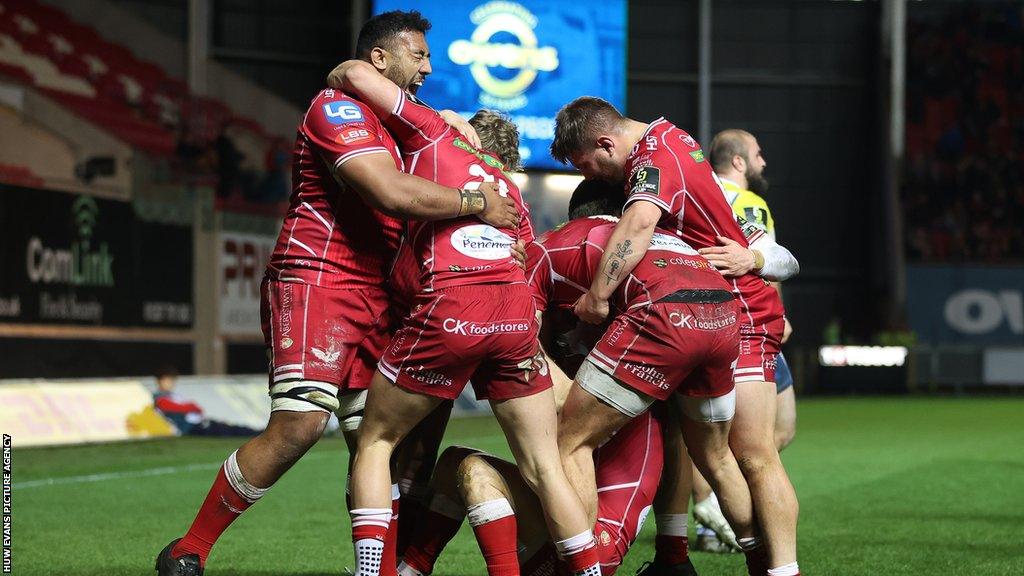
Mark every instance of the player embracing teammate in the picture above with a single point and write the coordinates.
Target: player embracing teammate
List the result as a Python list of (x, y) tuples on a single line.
[(323, 304)]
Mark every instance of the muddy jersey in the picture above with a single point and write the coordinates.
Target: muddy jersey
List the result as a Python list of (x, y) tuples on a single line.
[(561, 265), (667, 168), (460, 251), (330, 237)]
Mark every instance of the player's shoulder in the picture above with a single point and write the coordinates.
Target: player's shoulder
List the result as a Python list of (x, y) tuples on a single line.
[(747, 198), (339, 108)]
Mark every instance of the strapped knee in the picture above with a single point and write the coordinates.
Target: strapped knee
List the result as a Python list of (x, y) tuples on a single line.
[(303, 396)]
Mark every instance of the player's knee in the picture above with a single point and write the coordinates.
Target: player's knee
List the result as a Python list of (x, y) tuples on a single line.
[(784, 437), (296, 432), (755, 462), (477, 480)]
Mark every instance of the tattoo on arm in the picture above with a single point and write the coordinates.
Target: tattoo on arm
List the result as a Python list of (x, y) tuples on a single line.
[(613, 269)]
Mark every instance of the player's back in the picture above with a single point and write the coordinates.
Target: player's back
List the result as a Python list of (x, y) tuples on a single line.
[(668, 168), (562, 264), (330, 237), (459, 251)]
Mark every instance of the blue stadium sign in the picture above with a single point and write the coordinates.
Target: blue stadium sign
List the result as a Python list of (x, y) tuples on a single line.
[(526, 59)]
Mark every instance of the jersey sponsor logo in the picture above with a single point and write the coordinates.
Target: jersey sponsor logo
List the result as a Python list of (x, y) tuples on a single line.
[(688, 140), (457, 268), (692, 263), (647, 373), (669, 243), (353, 136), (286, 343), (329, 356), (471, 328), (482, 241), (428, 377), (342, 112), (660, 262), (681, 320), (697, 155), (646, 180)]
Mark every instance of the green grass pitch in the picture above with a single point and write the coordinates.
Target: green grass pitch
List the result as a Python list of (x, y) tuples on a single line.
[(886, 486)]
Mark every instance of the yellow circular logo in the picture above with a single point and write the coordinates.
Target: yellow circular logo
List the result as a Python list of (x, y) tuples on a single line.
[(482, 54)]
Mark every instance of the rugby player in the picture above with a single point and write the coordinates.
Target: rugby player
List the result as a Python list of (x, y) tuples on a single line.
[(473, 317), (505, 515), (737, 159), (670, 183), (322, 295)]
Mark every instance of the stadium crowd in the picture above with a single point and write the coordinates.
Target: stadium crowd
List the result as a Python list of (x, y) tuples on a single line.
[(963, 187)]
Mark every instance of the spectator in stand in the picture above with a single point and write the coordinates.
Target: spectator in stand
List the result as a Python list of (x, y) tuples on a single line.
[(186, 415)]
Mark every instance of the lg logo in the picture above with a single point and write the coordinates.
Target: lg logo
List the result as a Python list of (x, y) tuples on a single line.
[(977, 311)]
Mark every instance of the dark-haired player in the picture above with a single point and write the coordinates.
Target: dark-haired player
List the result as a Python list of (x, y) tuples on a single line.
[(322, 295), (670, 184), (473, 318)]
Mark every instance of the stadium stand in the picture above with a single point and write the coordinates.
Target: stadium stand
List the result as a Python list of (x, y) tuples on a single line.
[(137, 102), (963, 191)]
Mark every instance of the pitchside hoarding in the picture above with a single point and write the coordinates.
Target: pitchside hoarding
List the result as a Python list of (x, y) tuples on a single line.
[(526, 59), (77, 259), (966, 304)]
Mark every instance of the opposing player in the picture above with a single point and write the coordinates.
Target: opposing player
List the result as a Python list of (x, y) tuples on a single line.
[(670, 183), (322, 293), (474, 318), (736, 157)]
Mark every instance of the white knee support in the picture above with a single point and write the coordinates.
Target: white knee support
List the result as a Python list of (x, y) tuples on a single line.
[(350, 409), (717, 409), (303, 396)]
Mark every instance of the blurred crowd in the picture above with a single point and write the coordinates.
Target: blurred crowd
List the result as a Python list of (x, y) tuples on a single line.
[(963, 186)]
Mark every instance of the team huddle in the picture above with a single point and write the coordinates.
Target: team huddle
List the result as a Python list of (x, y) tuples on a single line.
[(619, 351)]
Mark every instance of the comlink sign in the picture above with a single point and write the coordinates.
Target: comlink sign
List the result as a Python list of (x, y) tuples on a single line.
[(966, 304), (78, 264), (76, 259)]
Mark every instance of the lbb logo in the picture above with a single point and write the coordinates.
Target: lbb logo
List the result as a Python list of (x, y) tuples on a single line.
[(342, 112)]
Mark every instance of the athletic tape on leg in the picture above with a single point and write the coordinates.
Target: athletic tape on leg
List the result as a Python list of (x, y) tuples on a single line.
[(234, 475), (489, 511), (303, 396)]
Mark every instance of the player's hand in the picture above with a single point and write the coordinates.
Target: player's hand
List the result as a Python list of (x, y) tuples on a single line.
[(591, 309), (462, 125), (730, 258), (501, 211), (519, 253), (787, 330)]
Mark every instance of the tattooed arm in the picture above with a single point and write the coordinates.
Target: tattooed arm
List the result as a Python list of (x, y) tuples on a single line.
[(626, 246)]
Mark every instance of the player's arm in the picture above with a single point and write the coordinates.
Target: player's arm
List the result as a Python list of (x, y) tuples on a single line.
[(381, 185), (626, 247), (362, 80), (764, 257)]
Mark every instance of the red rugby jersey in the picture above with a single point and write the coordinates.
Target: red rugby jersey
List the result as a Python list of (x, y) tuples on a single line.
[(460, 251), (330, 237), (667, 167), (561, 265)]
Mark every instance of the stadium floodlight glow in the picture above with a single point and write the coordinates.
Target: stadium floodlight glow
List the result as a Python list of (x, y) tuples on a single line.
[(862, 355), (562, 182)]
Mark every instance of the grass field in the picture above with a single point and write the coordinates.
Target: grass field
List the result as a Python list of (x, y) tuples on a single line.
[(886, 486)]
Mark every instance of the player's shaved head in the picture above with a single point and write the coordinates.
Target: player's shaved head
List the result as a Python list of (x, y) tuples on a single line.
[(499, 135), (580, 122), (383, 29), (596, 198), (728, 144)]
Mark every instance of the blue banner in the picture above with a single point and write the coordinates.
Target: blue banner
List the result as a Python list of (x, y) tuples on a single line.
[(526, 59), (966, 305)]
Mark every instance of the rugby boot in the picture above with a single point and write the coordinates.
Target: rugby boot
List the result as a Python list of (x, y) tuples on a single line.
[(186, 565)]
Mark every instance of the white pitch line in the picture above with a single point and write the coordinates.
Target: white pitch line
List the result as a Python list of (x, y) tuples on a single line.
[(86, 478), (162, 471)]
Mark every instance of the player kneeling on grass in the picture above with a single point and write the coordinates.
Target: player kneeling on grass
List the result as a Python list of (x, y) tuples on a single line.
[(474, 318), (507, 518)]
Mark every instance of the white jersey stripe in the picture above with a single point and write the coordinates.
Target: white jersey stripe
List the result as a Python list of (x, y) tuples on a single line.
[(318, 217), (303, 246), (619, 486)]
